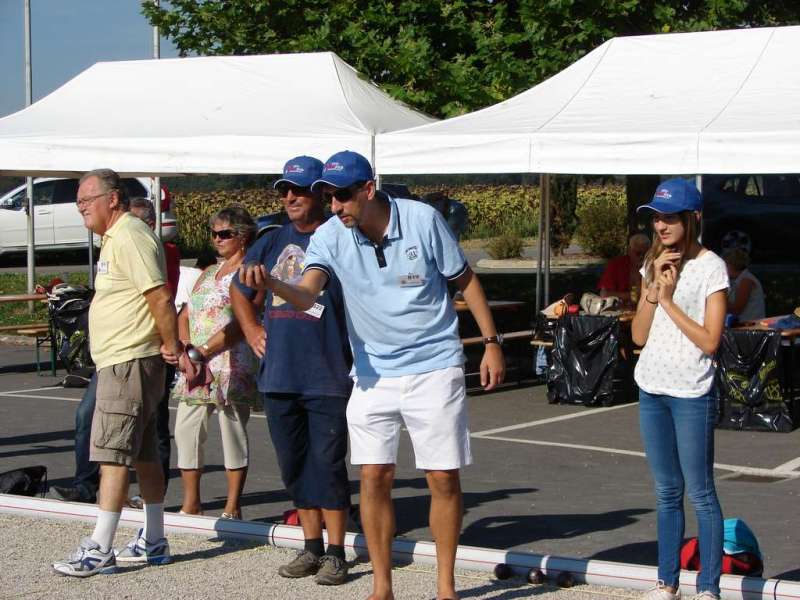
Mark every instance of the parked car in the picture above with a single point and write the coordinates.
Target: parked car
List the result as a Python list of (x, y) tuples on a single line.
[(58, 224), (760, 213)]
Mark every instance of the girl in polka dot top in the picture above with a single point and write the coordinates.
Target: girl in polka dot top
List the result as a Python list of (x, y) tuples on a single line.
[(679, 322)]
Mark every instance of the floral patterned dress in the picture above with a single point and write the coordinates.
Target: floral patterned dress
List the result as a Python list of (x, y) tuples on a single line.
[(233, 370)]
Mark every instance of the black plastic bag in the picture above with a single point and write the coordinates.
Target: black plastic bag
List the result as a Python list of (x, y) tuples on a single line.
[(27, 481), (583, 361), (68, 307), (748, 382)]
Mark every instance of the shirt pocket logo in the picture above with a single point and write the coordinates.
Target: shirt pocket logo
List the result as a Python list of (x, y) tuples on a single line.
[(412, 253)]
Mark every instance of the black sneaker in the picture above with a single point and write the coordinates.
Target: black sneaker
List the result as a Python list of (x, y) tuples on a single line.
[(332, 571), (304, 564), (70, 494)]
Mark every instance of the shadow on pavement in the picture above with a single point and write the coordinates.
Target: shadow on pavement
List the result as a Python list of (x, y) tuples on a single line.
[(512, 531), (33, 438), (37, 450), (641, 553)]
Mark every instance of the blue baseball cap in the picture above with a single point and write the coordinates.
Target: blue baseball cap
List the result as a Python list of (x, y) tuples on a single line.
[(345, 168), (674, 196), (301, 170)]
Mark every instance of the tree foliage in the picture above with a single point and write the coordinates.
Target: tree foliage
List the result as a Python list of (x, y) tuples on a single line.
[(445, 57)]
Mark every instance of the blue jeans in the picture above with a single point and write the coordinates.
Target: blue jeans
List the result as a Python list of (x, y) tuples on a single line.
[(87, 473), (678, 436)]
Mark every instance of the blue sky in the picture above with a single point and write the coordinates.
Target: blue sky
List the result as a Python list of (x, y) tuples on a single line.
[(68, 36)]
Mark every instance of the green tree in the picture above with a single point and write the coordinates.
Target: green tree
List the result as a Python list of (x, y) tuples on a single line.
[(445, 57)]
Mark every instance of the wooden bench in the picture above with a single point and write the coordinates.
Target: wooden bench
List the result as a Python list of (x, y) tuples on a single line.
[(41, 334)]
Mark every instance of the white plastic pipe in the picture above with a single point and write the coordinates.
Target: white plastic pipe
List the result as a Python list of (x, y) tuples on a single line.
[(594, 572)]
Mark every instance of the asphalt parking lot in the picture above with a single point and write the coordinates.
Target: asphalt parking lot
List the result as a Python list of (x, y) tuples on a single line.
[(563, 480)]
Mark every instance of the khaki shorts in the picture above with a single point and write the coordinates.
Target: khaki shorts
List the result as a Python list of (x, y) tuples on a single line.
[(124, 421)]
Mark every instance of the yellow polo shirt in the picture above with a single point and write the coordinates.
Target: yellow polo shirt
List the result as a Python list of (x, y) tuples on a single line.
[(131, 262)]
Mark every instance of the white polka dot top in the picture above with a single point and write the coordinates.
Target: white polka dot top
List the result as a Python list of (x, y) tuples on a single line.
[(670, 363)]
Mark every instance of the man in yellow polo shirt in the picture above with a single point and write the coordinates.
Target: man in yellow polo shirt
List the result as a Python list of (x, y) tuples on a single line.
[(131, 322)]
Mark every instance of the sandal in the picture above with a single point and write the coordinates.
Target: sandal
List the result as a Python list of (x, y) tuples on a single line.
[(235, 516)]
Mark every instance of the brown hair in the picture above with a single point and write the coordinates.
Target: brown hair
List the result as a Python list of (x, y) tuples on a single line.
[(691, 228)]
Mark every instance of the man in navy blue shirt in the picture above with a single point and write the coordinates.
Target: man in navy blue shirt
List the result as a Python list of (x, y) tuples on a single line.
[(394, 258), (304, 378)]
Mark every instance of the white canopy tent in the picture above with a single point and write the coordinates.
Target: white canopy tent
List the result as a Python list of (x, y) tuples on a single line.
[(709, 102), (223, 114)]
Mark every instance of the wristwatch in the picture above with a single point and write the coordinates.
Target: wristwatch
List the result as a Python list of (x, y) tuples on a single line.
[(494, 339)]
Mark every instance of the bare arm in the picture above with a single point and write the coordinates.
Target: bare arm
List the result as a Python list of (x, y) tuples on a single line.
[(743, 292), (302, 296), (183, 325), (246, 312), (493, 366), (159, 301), (646, 309)]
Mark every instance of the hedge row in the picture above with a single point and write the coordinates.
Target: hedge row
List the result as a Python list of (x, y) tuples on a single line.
[(493, 210)]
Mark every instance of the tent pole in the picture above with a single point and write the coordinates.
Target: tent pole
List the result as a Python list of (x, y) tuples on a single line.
[(157, 180), (376, 175), (546, 203), (29, 180), (91, 259), (698, 182), (540, 243)]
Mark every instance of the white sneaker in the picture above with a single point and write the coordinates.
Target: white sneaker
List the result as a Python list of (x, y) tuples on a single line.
[(86, 561), (660, 592), (139, 550)]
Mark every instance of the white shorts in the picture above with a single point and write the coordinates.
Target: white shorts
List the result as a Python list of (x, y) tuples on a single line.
[(433, 407)]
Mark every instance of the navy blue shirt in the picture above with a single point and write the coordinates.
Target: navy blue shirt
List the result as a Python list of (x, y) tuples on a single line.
[(308, 352)]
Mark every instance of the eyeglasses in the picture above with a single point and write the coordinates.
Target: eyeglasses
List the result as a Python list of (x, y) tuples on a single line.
[(344, 194), (223, 234), (297, 190), (90, 199)]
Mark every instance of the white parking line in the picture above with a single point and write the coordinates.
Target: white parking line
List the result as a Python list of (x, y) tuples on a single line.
[(776, 472), (788, 469), (21, 394), (575, 415), (791, 465)]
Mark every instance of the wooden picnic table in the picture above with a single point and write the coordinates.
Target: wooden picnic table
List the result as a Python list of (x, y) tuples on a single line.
[(22, 297), (494, 305)]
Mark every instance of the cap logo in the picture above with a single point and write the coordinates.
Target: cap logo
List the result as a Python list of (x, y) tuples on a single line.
[(664, 194), (295, 169), (334, 166)]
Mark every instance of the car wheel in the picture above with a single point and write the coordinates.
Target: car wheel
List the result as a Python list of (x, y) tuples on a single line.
[(736, 239)]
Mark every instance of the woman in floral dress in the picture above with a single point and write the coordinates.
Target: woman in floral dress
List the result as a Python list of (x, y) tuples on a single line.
[(221, 377)]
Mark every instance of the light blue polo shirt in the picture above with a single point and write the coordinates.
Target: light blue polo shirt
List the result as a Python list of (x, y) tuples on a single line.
[(399, 317)]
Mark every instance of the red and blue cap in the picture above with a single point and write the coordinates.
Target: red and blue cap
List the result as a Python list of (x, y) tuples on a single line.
[(345, 168), (302, 171), (674, 196)]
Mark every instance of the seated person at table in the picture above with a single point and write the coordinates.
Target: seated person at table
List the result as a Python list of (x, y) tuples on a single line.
[(746, 296), (622, 273)]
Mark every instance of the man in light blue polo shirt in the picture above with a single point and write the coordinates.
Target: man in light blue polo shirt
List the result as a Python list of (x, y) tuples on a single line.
[(394, 258)]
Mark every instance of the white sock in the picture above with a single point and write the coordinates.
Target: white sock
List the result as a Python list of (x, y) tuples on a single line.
[(153, 522), (105, 528)]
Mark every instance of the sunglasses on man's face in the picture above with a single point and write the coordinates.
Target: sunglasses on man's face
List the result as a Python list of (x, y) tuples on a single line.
[(297, 190), (344, 194), (223, 234)]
